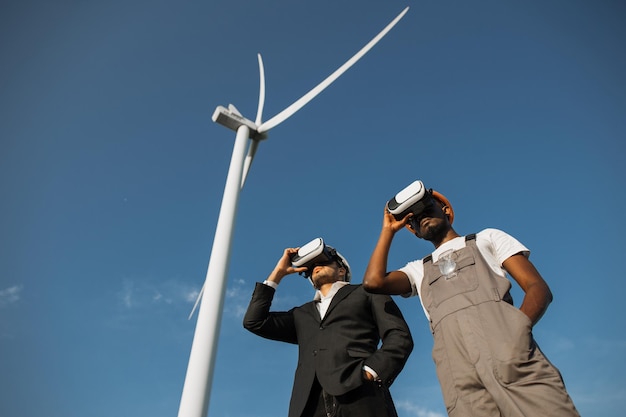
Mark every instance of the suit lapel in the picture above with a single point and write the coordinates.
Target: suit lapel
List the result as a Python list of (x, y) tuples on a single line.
[(341, 294), (311, 308)]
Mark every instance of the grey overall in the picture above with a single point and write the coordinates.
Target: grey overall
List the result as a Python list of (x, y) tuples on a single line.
[(487, 361)]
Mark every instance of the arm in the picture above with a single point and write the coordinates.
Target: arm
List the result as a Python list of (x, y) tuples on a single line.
[(258, 319), (537, 295), (376, 278), (397, 342), (270, 325), (284, 267)]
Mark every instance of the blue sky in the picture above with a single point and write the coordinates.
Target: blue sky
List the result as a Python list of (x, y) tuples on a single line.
[(112, 175)]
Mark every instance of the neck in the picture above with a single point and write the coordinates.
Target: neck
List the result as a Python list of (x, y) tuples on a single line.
[(325, 288), (447, 236)]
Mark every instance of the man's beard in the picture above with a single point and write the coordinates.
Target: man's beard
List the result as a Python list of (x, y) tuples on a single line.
[(432, 232), (324, 278)]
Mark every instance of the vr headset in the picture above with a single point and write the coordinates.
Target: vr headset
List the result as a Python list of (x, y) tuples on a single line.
[(316, 252), (413, 199)]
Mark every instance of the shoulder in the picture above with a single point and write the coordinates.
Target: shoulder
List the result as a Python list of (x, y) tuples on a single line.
[(496, 237), (499, 243), (356, 287), (352, 287), (492, 233)]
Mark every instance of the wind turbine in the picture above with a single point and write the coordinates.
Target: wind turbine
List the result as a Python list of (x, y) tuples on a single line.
[(197, 387)]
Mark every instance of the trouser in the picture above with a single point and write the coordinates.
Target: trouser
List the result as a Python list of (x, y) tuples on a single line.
[(488, 363), (368, 400), (503, 373)]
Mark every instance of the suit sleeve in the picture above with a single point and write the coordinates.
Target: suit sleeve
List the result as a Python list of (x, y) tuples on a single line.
[(397, 342), (270, 325)]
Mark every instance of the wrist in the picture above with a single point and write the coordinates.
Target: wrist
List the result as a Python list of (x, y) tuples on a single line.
[(276, 276), (369, 374), (272, 284), (388, 231)]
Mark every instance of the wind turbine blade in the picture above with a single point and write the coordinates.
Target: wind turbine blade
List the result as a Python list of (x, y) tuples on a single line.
[(302, 101), (259, 112), (248, 161), (197, 302)]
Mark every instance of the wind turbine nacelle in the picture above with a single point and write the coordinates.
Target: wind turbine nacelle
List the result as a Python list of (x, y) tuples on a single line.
[(233, 121)]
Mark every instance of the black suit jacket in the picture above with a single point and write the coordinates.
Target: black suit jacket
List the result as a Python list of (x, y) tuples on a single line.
[(335, 348)]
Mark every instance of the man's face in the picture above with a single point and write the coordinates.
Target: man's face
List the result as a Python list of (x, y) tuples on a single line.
[(326, 273), (430, 223)]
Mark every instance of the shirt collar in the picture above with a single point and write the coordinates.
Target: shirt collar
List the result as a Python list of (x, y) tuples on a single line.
[(333, 290)]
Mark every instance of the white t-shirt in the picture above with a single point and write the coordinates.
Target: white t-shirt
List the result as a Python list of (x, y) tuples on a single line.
[(494, 245)]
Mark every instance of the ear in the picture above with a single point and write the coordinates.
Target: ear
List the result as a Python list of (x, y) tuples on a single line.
[(342, 272), (446, 211)]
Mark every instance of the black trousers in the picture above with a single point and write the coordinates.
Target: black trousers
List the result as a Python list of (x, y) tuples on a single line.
[(368, 400)]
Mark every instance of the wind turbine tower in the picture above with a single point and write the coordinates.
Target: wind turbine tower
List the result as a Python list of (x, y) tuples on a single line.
[(197, 387)]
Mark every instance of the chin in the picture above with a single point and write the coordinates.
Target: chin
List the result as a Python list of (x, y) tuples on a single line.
[(429, 233)]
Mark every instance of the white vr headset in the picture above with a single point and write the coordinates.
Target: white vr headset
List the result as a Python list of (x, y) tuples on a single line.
[(413, 199), (316, 252)]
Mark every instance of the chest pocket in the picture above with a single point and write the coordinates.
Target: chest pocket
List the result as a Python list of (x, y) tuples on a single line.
[(466, 280)]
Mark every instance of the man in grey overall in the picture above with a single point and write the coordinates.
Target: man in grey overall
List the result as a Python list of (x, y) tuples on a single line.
[(487, 361)]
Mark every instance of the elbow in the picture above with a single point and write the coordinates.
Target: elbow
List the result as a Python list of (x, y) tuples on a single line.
[(250, 324), (252, 327), (246, 324), (254, 323), (549, 296), (372, 284), (409, 344)]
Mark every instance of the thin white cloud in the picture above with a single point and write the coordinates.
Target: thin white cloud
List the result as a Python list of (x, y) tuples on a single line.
[(417, 410), (237, 299), (125, 295), (606, 346), (239, 310), (10, 295), (141, 295), (190, 295), (137, 294), (233, 292)]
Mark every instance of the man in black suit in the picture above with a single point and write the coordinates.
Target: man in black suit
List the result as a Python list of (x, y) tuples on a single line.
[(341, 370)]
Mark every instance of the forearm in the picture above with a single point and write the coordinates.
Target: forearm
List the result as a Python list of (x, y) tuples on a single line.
[(271, 325), (258, 310), (396, 338), (536, 300), (276, 275), (537, 295), (389, 360), (376, 270)]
